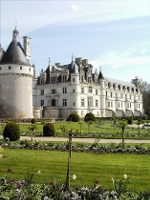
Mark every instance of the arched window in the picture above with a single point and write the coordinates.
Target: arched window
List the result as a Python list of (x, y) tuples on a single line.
[(53, 102)]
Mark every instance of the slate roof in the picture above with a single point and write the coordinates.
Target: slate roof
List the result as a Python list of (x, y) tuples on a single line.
[(15, 55), (118, 82)]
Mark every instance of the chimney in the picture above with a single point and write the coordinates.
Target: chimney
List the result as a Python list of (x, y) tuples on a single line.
[(85, 62), (26, 46)]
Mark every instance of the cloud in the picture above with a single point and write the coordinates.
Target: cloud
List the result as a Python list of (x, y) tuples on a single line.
[(124, 59), (74, 7)]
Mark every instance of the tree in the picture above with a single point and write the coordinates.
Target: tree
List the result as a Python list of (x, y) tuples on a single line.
[(81, 123), (32, 128), (145, 89), (139, 122), (122, 124), (89, 123)]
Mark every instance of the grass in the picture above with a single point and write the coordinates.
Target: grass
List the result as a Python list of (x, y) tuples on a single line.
[(86, 166), (106, 128)]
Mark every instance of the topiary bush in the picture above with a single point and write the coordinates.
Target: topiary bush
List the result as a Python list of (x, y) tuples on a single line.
[(74, 117), (48, 129), (33, 121), (130, 120), (89, 117), (12, 131)]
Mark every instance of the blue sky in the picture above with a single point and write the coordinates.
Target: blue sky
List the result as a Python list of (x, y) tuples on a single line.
[(112, 35)]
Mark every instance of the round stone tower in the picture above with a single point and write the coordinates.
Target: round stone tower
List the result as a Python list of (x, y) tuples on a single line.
[(16, 75)]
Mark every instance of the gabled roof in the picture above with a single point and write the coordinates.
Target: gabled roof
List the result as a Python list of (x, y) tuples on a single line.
[(15, 55)]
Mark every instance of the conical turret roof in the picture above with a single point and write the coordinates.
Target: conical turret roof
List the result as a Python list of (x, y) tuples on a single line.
[(15, 53)]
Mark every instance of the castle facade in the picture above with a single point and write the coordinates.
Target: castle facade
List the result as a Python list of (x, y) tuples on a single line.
[(61, 89)]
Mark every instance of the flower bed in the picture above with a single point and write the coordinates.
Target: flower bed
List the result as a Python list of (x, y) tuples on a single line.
[(28, 190), (96, 147)]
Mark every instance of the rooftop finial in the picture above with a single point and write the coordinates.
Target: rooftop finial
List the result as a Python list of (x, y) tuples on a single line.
[(15, 25), (72, 56), (49, 61)]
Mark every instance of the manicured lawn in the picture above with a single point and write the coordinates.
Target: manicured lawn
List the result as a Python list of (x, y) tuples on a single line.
[(87, 167), (95, 128)]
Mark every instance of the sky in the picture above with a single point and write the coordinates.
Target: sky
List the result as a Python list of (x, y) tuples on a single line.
[(114, 35)]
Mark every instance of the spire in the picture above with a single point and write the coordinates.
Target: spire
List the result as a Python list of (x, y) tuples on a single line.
[(72, 57), (100, 74), (49, 61), (15, 33)]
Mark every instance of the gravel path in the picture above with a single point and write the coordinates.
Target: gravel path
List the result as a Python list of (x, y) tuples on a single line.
[(86, 140)]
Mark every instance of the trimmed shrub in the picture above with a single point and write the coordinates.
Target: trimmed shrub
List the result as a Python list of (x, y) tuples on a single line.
[(33, 121), (130, 120), (89, 117), (12, 131), (74, 117), (48, 129)]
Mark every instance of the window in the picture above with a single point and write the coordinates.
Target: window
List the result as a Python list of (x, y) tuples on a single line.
[(0, 68), (118, 104), (111, 104), (42, 81), (52, 79), (89, 101), (82, 90), (64, 78), (96, 102), (106, 93), (53, 102), (73, 103), (96, 92), (108, 104), (73, 91), (29, 69), (111, 94), (9, 67), (53, 91), (81, 78), (89, 79), (42, 92), (90, 89), (73, 80), (20, 67), (42, 102), (65, 90), (82, 102), (64, 102)]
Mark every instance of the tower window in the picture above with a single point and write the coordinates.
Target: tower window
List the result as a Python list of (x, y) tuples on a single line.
[(20, 67), (9, 67), (29, 69)]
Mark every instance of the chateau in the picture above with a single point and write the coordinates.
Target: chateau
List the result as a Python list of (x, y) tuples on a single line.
[(61, 89)]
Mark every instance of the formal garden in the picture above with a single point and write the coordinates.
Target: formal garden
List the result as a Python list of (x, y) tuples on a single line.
[(36, 169)]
